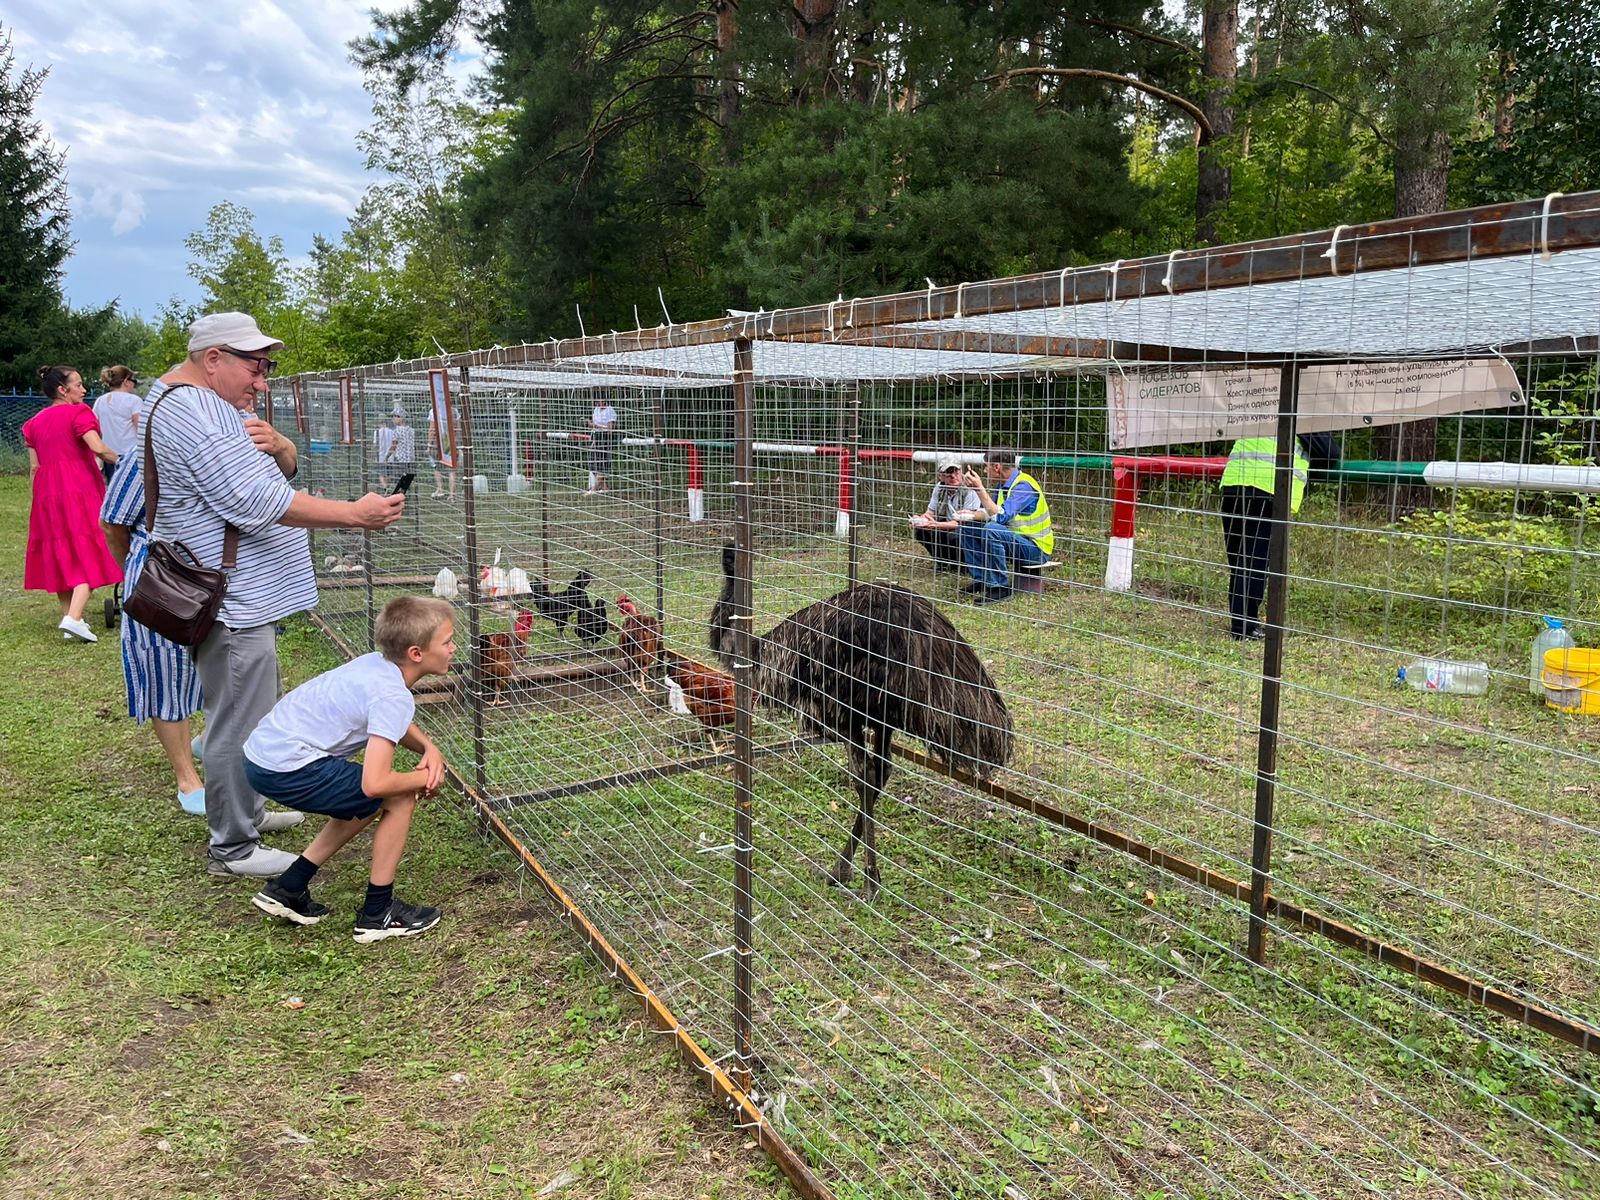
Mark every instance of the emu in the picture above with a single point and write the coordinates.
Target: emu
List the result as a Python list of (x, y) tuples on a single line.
[(857, 667)]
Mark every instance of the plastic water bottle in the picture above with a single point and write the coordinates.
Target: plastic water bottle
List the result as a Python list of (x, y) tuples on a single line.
[(1553, 636), (1443, 675)]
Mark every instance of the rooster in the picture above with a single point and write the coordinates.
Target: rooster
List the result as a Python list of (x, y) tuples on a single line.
[(640, 639), (562, 606), (500, 652), (862, 664), (706, 695), (591, 621)]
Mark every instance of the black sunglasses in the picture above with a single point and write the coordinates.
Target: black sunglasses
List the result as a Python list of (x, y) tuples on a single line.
[(263, 366)]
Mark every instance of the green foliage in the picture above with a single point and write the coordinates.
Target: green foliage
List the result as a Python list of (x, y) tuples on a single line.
[(1484, 553), (34, 220)]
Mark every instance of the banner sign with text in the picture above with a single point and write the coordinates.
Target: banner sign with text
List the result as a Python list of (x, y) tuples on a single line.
[(442, 433), (1170, 406)]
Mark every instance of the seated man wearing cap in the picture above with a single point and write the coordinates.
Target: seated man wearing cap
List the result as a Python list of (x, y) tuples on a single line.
[(397, 448), (1017, 532), (939, 528), (216, 466)]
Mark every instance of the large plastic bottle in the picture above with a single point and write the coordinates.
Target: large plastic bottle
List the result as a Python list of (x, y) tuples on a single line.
[(1552, 637), (1443, 675)]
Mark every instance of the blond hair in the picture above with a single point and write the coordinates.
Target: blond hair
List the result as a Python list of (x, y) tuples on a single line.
[(112, 378), (408, 621)]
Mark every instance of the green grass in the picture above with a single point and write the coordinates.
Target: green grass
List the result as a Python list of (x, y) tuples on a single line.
[(146, 1041), (1023, 1008)]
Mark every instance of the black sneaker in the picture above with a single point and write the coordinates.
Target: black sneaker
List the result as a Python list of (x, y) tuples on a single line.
[(994, 595), (402, 920), (298, 907), (974, 589)]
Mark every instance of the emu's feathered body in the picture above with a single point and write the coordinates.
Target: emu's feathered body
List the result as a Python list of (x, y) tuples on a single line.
[(864, 663)]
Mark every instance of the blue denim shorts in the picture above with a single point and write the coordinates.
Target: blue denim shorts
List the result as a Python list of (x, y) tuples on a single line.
[(329, 786)]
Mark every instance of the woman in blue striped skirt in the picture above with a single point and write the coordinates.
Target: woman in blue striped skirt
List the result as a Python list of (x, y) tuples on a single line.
[(163, 687)]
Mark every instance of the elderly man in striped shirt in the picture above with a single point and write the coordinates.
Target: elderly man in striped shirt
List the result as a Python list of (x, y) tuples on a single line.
[(218, 467)]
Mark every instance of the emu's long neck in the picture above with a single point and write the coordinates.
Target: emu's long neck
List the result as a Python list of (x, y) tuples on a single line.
[(724, 633)]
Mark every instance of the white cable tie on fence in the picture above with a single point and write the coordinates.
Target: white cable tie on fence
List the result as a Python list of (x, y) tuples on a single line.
[(1544, 228), (832, 336), (742, 483), (443, 353), (1166, 280), (850, 317), (931, 286), (1061, 287), (1332, 252), (959, 286), (661, 296), (578, 308), (717, 849)]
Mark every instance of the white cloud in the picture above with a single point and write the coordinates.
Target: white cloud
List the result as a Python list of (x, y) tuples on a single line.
[(123, 206), (168, 107)]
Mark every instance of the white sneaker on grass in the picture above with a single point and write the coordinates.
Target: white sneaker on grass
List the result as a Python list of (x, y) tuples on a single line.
[(261, 863), (272, 822), (78, 628)]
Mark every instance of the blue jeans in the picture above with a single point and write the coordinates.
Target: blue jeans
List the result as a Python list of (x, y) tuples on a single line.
[(986, 547)]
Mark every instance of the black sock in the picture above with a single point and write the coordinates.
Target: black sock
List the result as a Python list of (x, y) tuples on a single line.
[(378, 900), (298, 877)]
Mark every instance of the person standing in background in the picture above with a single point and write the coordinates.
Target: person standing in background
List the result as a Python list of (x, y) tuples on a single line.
[(118, 411), (66, 553), (1247, 490), (397, 454), (162, 685), (602, 447)]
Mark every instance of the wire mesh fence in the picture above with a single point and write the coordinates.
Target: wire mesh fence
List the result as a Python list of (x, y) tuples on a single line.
[(1222, 916)]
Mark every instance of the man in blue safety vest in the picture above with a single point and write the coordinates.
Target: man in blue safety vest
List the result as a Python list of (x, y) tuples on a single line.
[(1017, 529)]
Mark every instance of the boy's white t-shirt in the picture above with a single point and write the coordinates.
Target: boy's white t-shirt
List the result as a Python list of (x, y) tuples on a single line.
[(333, 715)]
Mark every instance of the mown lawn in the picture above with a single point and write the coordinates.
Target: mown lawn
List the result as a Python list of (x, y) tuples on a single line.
[(160, 1037)]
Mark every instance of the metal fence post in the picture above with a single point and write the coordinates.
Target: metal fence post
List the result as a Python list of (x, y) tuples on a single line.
[(1272, 661), (854, 467), (744, 798), (366, 534), (466, 468)]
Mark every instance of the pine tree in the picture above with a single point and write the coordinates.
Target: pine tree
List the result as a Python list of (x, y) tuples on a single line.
[(34, 223)]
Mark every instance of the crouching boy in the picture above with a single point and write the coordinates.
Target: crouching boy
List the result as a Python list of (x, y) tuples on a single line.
[(300, 756)]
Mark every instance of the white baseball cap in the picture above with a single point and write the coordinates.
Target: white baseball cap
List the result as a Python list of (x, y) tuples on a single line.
[(234, 330), (948, 464)]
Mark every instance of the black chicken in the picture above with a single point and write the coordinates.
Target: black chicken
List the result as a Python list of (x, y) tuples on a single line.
[(858, 666), (591, 621)]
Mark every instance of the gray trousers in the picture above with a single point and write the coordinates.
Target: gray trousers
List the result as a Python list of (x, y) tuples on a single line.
[(238, 671)]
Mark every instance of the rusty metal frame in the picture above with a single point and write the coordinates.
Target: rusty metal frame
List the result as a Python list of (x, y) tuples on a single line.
[(1491, 231)]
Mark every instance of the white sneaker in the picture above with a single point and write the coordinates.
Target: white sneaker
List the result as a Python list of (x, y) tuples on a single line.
[(261, 863), (78, 628), (272, 822)]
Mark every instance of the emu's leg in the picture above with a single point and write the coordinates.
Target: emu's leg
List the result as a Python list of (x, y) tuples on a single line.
[(858, 769), (878, 767)]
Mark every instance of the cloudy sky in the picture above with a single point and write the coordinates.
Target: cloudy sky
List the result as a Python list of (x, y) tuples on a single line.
[(168, 107)]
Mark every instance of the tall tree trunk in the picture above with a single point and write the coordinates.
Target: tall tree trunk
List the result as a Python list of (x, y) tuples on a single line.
[(864, 69), (813, 50), (1421, 181), (1220, 69), (728, 107)]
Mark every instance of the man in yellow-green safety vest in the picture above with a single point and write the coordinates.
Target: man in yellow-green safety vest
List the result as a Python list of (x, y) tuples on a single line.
[(1247, 486), (1017, 530)]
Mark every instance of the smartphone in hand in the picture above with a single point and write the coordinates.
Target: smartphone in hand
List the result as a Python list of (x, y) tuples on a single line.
[(403, 483)]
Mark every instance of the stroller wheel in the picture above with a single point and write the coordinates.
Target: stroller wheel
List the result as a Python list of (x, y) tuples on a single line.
[(111, 612)]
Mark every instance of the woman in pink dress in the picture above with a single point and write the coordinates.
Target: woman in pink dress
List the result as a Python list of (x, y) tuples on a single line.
[(67, 553)]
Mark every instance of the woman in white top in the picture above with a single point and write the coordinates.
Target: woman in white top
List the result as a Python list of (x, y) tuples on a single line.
[(602, 445), (118, 412)]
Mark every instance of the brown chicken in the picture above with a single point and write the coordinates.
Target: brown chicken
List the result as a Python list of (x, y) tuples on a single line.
[(704, 694), (640, 639), (501, 652)]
